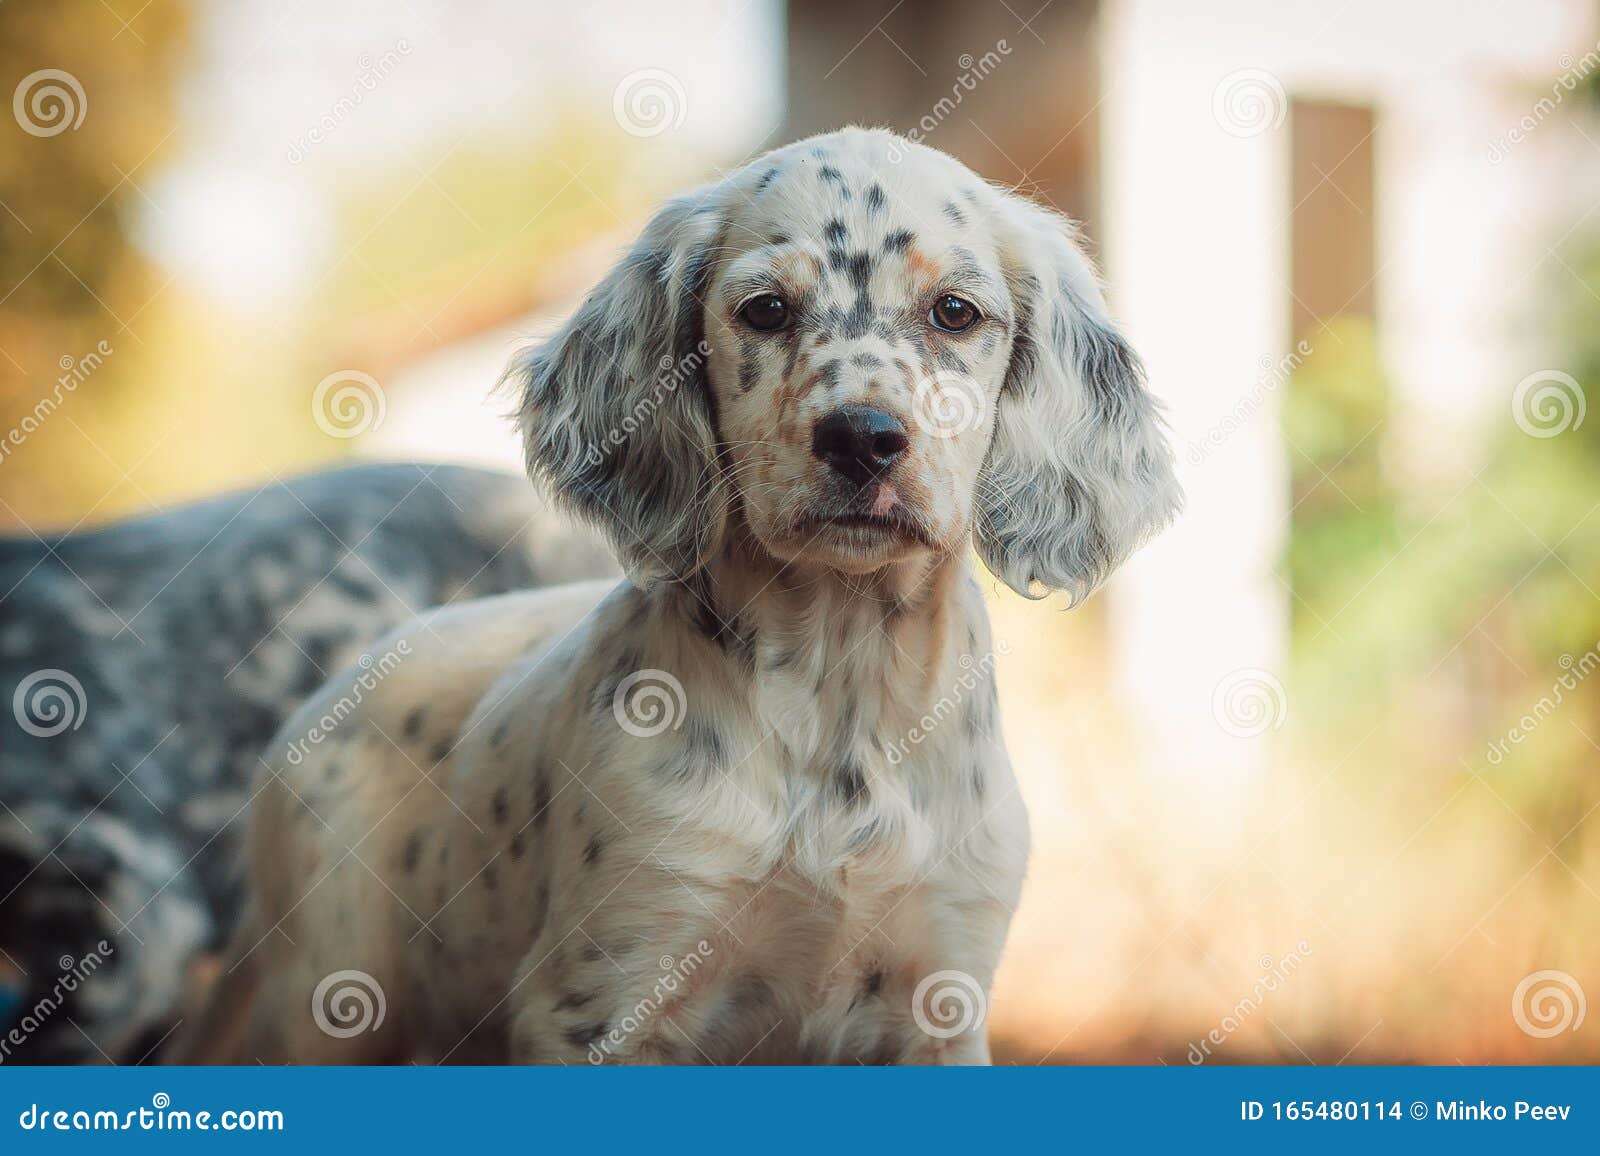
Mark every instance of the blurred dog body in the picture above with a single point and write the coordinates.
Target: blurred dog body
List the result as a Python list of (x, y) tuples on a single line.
[(754, 804), (148, 663)]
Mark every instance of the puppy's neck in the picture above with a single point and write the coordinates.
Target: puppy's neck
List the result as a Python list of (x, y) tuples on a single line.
[(900, 624)]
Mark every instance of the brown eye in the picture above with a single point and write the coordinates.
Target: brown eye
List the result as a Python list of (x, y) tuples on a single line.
[(765, 313), (952, 314)]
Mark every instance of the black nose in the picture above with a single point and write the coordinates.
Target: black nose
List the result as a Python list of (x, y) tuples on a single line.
[(859, 441)]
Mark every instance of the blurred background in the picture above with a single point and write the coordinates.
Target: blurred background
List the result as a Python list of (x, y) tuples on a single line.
[(1313, 780)]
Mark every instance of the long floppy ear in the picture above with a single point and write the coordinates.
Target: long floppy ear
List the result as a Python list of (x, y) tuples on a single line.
[(1079, 472), (615, 414)]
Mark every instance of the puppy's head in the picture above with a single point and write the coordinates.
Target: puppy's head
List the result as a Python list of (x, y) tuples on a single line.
[(862, 352)]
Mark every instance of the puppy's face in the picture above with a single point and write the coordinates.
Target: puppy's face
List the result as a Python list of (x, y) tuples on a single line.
[(862, 352), (859, 327)]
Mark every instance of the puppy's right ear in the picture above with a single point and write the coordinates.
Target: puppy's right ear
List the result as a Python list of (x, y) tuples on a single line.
[(615, 414)]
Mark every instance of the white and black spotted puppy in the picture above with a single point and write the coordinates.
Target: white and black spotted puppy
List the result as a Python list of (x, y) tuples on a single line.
[(686, 820)]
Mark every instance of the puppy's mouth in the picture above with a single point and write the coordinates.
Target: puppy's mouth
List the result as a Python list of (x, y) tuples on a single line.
[(868, 520)]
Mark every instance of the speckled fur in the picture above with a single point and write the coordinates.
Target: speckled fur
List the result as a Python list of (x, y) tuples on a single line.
[(516, 868), (235, 609)]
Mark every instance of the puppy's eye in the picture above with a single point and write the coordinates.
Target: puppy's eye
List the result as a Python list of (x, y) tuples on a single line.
[(952, 314), (767, 312)]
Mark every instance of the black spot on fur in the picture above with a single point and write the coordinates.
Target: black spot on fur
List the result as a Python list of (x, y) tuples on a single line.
[(850, 782), (766, 179), (500, 805), (411, 854), (412, 726), (867, 361), (875, 198), (873, 983), (581, 1037), (541, 800), (573, 1000), (592, 953), (591, 853), (441, 750), (498, 739), (517, 846), (898, 241), (953, 211), (834, 233)]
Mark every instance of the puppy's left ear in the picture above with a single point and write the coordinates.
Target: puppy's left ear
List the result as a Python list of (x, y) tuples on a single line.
[(1079, 473)]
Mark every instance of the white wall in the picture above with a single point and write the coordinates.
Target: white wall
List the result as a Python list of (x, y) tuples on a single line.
[(1197, 258)]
